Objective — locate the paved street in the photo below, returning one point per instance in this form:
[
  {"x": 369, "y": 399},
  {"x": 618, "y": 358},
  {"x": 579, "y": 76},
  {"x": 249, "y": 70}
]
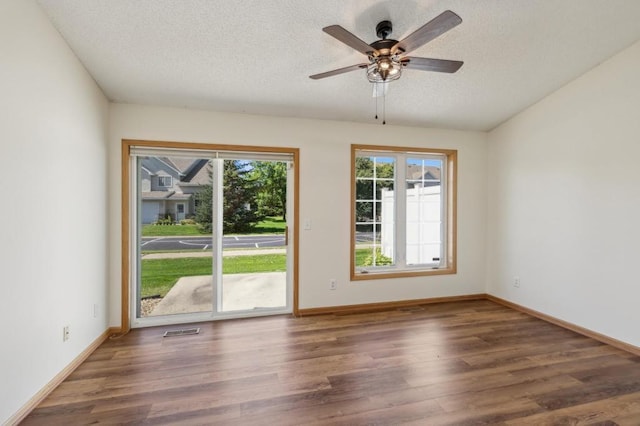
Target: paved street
[
  {"x": 204, "y": 243},
  {"x": 231, "y": 242}
]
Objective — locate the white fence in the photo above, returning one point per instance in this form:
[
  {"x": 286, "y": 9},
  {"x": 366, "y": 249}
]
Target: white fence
[{"x": 423, "y": 222}]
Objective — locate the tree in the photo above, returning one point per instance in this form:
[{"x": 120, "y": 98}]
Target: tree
[
  {"x": 240, "y": 189},
  {"x": 240, "y": 197},
  {"x": 272, "y": 193},
  {"x": 366, "y": 185},
  {"x": 204, "y": 204}
]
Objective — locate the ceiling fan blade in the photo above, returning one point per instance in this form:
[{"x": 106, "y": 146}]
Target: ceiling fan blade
[
  {"x": 348, "y": 38},
  {"x": 338, "y": 71},
  {"x": 428, "y": 64},
  {"x": 429, "y": 31}
]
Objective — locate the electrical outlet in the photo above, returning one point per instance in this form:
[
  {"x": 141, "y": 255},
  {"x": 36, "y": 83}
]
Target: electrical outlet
[
  {"x": 516, "y": 281},
  {"x": 333, "y": 284},
  {"x": 95, "y": 310},
  {"x": 65, "y": 333}
]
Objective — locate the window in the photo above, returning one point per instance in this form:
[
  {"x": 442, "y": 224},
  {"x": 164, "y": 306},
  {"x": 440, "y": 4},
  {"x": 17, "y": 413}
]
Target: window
[
  {"x": 164, "y": 181},
  {"x": 403, "y": 212}
]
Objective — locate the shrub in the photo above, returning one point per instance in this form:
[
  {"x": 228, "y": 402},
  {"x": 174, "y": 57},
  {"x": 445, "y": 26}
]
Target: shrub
[
  {"x": 205, "y": 228},
  {"x": 381, "y": 259},
  {"x": 168, "y": 220},
  {"x": 187, "y": 222}
]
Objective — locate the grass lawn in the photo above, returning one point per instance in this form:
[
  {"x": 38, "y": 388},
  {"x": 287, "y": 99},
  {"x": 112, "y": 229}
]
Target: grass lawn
[
  {"x": 170, "y": 230},
  {"x": 159, "y": 275},
  {"x": 271, "y": 225}
]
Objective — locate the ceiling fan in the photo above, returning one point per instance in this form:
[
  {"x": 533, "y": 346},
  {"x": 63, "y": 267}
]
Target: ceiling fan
[{"x": 386, "y": 56}]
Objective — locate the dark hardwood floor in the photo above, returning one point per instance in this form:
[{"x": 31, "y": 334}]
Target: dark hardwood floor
[{"x": 462, "y": 363}]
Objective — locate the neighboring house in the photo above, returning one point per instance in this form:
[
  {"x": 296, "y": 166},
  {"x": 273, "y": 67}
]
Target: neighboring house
[
  {"x": 169, "y": 185},
  {"x": 420, "y": 176}
]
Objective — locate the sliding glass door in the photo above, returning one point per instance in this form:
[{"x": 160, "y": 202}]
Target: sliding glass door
[{"x": 211, "y": 232}]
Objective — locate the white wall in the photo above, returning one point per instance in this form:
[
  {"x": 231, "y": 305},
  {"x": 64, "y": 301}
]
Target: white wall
[
  {"x": 53, "y": 255},
  {"x": 324, "y": 194},
  {"x": 563, "y": 190},
  {"x": 564, "y": 202}
]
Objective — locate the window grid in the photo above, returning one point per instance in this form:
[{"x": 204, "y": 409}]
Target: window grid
[{"x": 377, "y": 188}]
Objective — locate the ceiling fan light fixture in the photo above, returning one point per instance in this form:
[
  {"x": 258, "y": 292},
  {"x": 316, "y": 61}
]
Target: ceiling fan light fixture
[{"x": 384, "y": 69}]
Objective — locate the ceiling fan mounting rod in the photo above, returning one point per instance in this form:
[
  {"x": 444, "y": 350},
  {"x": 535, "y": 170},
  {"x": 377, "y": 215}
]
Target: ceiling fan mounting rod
[{"x": 384, "y": 29}]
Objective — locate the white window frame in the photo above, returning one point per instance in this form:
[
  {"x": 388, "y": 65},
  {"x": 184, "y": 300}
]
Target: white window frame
[
  {"x": 447, "y": 262},
  {"x": 161, "y": 178}
]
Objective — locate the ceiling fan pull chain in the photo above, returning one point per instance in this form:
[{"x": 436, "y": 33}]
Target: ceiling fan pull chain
[
  {"x": 376, "y": 107},
  {"x": 384, "y": 110}
]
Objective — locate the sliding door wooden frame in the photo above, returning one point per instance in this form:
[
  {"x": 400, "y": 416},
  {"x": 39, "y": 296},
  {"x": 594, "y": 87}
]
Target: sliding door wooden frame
[{"x": 126, "y": 208}]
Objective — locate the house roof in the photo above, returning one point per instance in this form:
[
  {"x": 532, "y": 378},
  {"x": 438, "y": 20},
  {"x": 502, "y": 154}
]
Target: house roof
[
  {"x": 255, "y": 57},
  {"x": 197, "y": 173},
  {"x": 417, "y": 172},
  {"x": 187, "y": 170},
  {"x": 158, "y": 165}
]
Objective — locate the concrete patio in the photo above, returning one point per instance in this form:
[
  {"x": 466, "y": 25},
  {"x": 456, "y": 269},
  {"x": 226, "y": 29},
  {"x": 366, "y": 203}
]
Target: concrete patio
[{"x": 239, "y": 292}]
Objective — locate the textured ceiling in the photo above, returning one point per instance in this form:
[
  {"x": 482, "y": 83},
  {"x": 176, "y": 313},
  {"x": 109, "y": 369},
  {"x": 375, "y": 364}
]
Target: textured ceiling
[{"x": 255, "y": 56}]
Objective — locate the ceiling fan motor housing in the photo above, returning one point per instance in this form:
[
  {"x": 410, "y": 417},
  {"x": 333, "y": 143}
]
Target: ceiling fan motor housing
[
  {"x": 384, "y": 46},
  {"x": 384, "y": 29}
]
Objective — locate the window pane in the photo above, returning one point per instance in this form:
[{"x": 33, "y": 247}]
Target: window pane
[
  {"x": 364, "y": 167},
  {"x": 423, "y": 172},
  {"x": 371, "y": 249},
  {"x": 383, "y": 187},
  {"x": 423, "y": 210},
  {"x": 164, "y": 180},
  {"x": 384, "y": 167},
  {"x": 368, "y": 234},
  {"x": 364, "y": 189},
  {"x": 364, "y": 243},
  {"x": 364, "y": 212}
]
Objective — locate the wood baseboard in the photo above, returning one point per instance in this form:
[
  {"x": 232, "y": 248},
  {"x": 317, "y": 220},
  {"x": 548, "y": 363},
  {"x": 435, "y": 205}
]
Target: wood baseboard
[
  {"x": 23, "y": 412},
  {"x": 384, "y": 306},
  {"x": 117, "y": 332},
  {"x": 569, "y": 326}
]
